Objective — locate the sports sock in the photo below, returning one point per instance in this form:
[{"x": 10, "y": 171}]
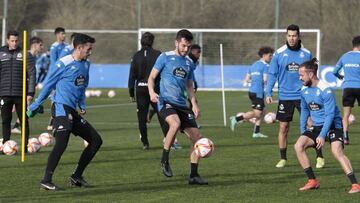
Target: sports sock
[
  {"x": 346, "y": 135},
  {"x": 319, "y": 153},
  {"x": 283, "y": 153},
  {"x": 194, "y": 169},
  {"x": 310, "y": 173},
  {"x": 257, "y": 129},
  {"x": 239, "y": 118},
  {"x": 352, "y": 178},
  {"x": 165, "y": 156}
]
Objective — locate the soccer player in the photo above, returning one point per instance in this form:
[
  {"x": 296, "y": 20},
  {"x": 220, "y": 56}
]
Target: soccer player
[
  {"x": 257, "y": 75},
  {"x": 42, "y": 65},
  {"x": 350, "y": 62},
  {"x": 318, "y": 102},
  {"x": 176, "y": 71},
  {"x": 141, "y": 65},
  {"x": 284, "y": 68},
  {"x": 70, "y": 75},
  {"x": 69, "y": 48}
]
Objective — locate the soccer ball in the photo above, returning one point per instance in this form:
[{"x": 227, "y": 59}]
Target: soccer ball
[
  {"x": 45, "y": 139},
  {"x": 204, "y": 147},
  {"x": 10, "y": 147},
  {"x": 240, "y": 114},
  {"x": 33, "y": 145},
  {"x": 270, "y": 117},
  {"x": 97, "y": 93},
  {"x": 351, "y": 119},
  {"x": 111, "y": 93},
  {"x": 87, "y": 93}
]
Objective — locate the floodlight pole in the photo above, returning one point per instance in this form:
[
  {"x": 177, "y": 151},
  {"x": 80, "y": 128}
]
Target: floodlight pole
[{"x": 3, "y": 34}]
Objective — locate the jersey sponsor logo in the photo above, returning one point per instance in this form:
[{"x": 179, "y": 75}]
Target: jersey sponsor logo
[
  {"x": 352, "y": 65},
  {"x": 180, "y": 72},
  {"x": 80, "y": 80},
  {"x": 314, "y": 106},
  {"x": 255, "y": 73},
  {"x": 293, "y": 67}
]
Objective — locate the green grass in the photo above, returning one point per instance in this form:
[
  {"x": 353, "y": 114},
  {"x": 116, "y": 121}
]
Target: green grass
[{"x": 242, "y": 169}]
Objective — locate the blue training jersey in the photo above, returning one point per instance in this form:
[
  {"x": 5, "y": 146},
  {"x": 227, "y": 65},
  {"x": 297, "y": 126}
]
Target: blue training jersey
[
  {"x": 350, "y": 62},
  {"x": 43, "y": 62},
  {"x": 174, "y": 72},
  {"x": 319, "y": 103},
  {"x": 284, "y": 68},
  {"x": 66, "y": 51},
  {"x": 55, "y": 51},
  {"x": 257, "y": 72},
  {"x": 70, "y": 77}
]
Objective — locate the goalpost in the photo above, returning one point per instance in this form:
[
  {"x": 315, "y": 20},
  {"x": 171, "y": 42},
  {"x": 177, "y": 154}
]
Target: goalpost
[{"x": 234, "y": 49}]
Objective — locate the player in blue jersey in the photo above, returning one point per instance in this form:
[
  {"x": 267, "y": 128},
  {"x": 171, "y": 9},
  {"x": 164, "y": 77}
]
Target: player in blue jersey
[
  {"x": 257, "y": 76},
  {"x": 350, "y": 63},
  {"x": 318, "y": 102},
  {"x": 57, "y": 46},
  {"x": 42, "y": 65},
  {"x": 70, "y": 76},
  {"x": 69, "y": 48},
  {"x": 284, "y": 69},
  {"x": 176, "y": 71}
]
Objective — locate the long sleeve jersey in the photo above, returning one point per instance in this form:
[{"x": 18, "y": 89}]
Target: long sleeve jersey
[{"x": 350, "y": 62}]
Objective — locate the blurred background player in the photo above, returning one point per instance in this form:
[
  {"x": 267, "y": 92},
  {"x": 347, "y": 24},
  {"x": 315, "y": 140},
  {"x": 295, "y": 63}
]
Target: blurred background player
[
  {"x": 350, "y": 62},
  {"x": 318, "y": 102},
  {"x": 140, "y": 68},
  {"x": 257, "y": 76},
  {"x": 176, "y": 72},
  {"x": 284, "y": 68},
  {"x": 69, "y": 48},
  {"x": 11, "y": 77},
  {"x": 42, "y": 66},
  {"x": 72, "y": 73},
  {"x": 36, "y": 46}
]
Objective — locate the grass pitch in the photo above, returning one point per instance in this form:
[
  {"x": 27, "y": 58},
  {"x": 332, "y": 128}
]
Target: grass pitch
[{"x": 242, "y": 169}]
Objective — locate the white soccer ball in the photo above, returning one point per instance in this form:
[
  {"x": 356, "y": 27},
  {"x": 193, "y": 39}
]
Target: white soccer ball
[
  {"x": 92, "y": 93},
  {"x": 204, "y": 147},
  {"x": 45, "y": 139},
  {"x": 351, "y": 119},
  {"x": 97, "y": 93},
  {"x": 240, "y": 114},
  {"x": 111, "y": 93},
  {"x": 33, "y": 145},
  {"x": 270, "y": 117},
  {"x": 87, "y": 93},
  {"x": 10, "y": 147}
]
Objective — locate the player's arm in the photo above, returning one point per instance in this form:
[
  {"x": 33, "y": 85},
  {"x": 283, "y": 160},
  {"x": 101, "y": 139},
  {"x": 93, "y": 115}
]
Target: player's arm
[
  {"x": 195, "y": 107},
  {"x": 31, "y": 76},
  {"x": 82, "y": 105},
  {"x": 132, "y": 79},
  {"x": 329, "y": 105},
  {"x": 271, "y": 77},
  {"x": 337, "y": 68},
  {"x": 53, "y": 55},
  {"x": 248, "y": 78},
  {"x": 305, "y": 113},
  {"x": 154, "y": 97}
]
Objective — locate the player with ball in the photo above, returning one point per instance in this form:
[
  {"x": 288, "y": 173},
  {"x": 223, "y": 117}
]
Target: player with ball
[{"x": 176, "y": 71}]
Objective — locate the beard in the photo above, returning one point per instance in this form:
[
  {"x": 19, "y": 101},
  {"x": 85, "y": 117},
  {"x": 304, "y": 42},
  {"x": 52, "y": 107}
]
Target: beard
[{"x": 308, "y": 83}]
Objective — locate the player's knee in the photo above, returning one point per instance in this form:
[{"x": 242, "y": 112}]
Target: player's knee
[
  {"x": 96, "y": 142},
  {"x": 299, "y": 147},
  {"x": 174, "y": 126}
]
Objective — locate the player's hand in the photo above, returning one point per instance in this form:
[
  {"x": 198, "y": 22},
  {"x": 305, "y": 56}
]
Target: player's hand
[
  {"x": 269, "y": 100},
  {"x": 340, "y": 77},
  {"x": 154, "y": 97},
  {"x": 132, "y": 99},
  {"x": 319, "y": 142},
  {"x": 28, "y": 100},
  {"x": 196, "y": 111},
  {"x": 82, "y": 112}
]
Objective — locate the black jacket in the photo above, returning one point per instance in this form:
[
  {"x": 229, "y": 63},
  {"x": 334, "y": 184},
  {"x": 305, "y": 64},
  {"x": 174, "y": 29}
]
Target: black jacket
[
  {"x": 11, "y": 72},
  {"x": 141, "y": 66}
]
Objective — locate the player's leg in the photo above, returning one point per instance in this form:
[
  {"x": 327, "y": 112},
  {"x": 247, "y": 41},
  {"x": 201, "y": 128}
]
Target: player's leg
[
  {"x": 86, "y": 131},
  {"x": 142, "y": 102},
  {"x": 18, "y": 107},
  {"x": 338, "y": 152},
  {"x": 6, "y": 105},
  {"x": 305, "y": 141},
  {"x": 62, "y": 128},
  {"x": 258, "y": 109},
  {"x": 234, "y": 120},
  {"x": 348, "y": 101},
  {"x": 173, "y": 121}
]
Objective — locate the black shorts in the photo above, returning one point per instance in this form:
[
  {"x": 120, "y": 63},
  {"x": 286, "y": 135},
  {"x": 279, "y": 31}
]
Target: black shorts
[
  {"x": 256, "y": 102},
  {"x": 349, "y": 96},
  {"x": 332, "y": 136},
  {"x": 286, "y": 108},
  {"x": 186, "y": 116}
]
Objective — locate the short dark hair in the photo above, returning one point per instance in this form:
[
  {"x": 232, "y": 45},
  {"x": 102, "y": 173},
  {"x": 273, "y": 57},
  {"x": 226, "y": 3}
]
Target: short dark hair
[
  {"x": 195, "y": 46},
  {"x": 293, "y": 27},
  {"x": 81, "y": 38},
  {"x": 147, "y": 39},
  {"x": 35, "y": 40},
  {"x": 311, "y": 65},
  {"x": 186, "y": 34},
  {"x": 356, "y": 41},
  {"x": 12, "y": 33},
  {"x": 265, "y": 50},
  {"x": 58, "y": 30},
  {"x": 73, "y": 35}
]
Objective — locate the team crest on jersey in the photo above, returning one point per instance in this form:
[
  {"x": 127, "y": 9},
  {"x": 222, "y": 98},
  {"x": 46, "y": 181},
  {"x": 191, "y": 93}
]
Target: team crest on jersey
[
  {"x": 314, "y": 106},
  {"x": 180, "y": 72},
  {"x": 80, "y": 80},
  {"x": 302, "y": 55},
  {"x": 19, "y": 55},
  {"x": 293, "y": 67}
]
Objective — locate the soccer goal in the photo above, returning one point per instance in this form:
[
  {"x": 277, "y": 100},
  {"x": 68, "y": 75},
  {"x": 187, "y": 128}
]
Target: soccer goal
[{"x": 227, "y": 54}]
